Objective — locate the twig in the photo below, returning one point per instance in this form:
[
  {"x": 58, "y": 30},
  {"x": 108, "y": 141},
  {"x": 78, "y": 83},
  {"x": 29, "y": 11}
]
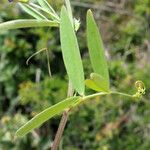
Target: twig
[{"x": 63, "y": 122}]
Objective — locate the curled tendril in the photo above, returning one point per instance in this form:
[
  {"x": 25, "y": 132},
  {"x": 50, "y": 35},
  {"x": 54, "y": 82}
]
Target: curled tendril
[{"x": 139, "y": 85}]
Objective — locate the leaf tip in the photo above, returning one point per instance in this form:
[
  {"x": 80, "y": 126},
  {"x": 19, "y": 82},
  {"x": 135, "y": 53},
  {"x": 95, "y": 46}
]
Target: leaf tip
[
  {"x": 20, "y": 132},
  {"x": 89, "y": 12},
  {"x": 63, "y": 8},
  {"x": 17, "y": 134}
]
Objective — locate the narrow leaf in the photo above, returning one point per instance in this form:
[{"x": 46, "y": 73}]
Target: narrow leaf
[
  {"x": 51, "y": 14},
  {"x": 68, "y": 5},
  {"x": 46, "y": 115},
  {"x": 23, "y": 1},
  {"x": 31, "y": 11},
  {"x": 46, "y": 6},
  {"x": 27, "y": 23},
  {"x": 96, "y": 49},
  {"x": 97, "y": 83},
  {"x": 71, "y": 53}
]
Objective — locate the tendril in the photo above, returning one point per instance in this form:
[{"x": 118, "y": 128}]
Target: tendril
[{"x": 139, "y": 85}]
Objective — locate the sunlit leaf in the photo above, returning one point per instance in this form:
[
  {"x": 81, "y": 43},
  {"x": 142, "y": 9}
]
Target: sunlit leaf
[
  {"x": 46, "y": 5},
  {"x": 97, "y": 83},
  {"x": 31, "y": 11},
  {"x": 91, "y": 84},
  {"x": 26, "y": 23},
  {"x": 46, "y": 115},
  {"x": 96, "y": 49},
  {"x": 51, "y": 14},
  {"x": 71, "y": 53},
  {"x": 68, "y": 5}
]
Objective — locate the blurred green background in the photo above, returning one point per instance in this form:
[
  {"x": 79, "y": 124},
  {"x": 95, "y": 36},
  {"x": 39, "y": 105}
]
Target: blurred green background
[{"x": 106, "y": 123}]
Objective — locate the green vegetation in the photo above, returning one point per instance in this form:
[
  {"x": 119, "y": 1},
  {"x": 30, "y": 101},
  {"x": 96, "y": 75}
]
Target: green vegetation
[{"x": 104, "y": 122}]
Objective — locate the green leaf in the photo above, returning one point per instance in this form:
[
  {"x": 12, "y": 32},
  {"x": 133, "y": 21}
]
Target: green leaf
[
  {"x": 46, "y": 6},
  {"x": 51, "y": 14},
  {"x": 26, "y": 23},
  {"x": 23, "y": 1},
  {"x": 71, "y": 53},
  {"x": 33, "y": 12},
  {"x": 96, "y": 49},
  {"x": 47, "y": 114},
  {"x": 68, "y": 5},
  {"x": 91, "y": 84},
  {"x": 97, "y": 83}
]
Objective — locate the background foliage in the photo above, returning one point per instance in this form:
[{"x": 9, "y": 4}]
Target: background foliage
[{"x": 106, "y": 123}]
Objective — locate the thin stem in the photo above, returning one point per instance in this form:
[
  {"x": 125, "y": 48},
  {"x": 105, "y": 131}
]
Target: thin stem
[
  {"x": 63, "y": 121},
  {"x": 48, "y": 63},
  {"x": 123, "y": 94},
  {"x": 66, "y": 113},
  {"x": 34, "y": 54},
  {"x": 60, "y": 130},
  {"x": 94, "y": 95},
  {"x": 105, "y": 93}
]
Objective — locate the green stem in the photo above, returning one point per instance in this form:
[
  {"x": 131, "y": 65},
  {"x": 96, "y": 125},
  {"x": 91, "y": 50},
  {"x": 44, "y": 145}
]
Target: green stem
[
  {"x": 123, "y": 94},
  {"x": 105, "y": 93},
  {"x": 94, "y": 95}
]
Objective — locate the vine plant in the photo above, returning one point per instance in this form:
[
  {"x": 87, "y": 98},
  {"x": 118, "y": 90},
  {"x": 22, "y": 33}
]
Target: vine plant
[{"x": 45, "y": 16}]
